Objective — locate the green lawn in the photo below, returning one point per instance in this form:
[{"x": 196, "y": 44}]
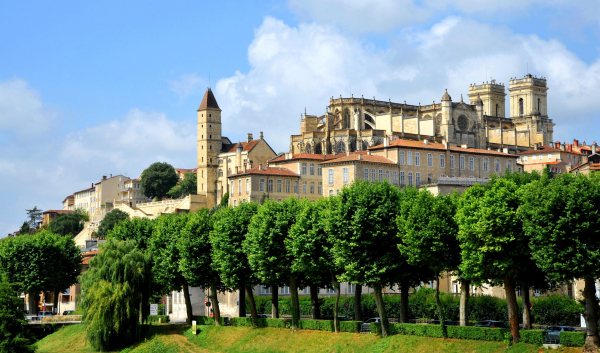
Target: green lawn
[{"x": 178, "y": 339}]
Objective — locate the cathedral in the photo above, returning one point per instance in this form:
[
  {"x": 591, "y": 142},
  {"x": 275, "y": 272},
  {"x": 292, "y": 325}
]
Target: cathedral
[{"x": 354, "y": 124}]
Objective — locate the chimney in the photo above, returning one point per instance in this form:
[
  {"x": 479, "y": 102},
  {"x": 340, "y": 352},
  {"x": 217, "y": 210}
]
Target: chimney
[
  {"x": 239, "y": 148},
  {"x": 505, "y": 150},
  {"x": 245, "y": 167},
  {"x": 360, "y": 157},
  {"x": 425, "y": 141},
  {"x": 562, "y": 147},
  {"x": 368, "y": 152},
  {"x": 261, "y": 135},
  {"x": 386, "y": 141},
  {"x": 111, "y": 175},
  {"x": 464, "y": 145},
  {"x": 249, "y": 137},
  {"x": 104, "y": 177},
  {"x": 347, "y": 153},
  {"x": 445, "y": 143},
  {"x": 575, "y": 143},
  {"x": 260, "y": 166},
  {"x": 557, "y": 145},
  {"x": 594, "y": 147},
  {"x": 237, "y": 170}
]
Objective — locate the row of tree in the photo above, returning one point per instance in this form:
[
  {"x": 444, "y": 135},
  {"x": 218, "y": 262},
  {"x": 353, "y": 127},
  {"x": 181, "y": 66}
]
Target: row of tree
[{"x": 521, "y": 230}]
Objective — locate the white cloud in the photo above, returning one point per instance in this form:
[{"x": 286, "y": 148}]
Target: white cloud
[
  {"x": 21, "y": 109},
  {"x": 297, "y": 67},
  {"x": 186, "y": 85},
  {"x": 384, "y": 15}
]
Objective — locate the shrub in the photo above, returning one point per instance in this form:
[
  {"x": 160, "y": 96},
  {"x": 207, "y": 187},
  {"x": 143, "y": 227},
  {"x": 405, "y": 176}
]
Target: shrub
[
  {"x": 461, "y": 332},
  {"x": 241, "y": 321},
  {"x": 277, "y": 323},
  {"x": 537, "y": 337},
  {"x": 572, "y": 339},
  {"x": 556, "y": 310},
  {"x": 154, "y": 318},
  {"x": 207, "y": 320},
  {"x": 350, "y": 326}
]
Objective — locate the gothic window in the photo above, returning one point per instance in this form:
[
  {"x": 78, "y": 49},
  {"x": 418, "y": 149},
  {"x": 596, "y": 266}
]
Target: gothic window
[
  {"x": 308, "y": 148},
  {"x": 539, "y": 106},
  {"x": 346, "y": 123},
  {"x": 352, "y": 146},
  {"x": 497, "y": 110},
  {"x": 318, "y": 149},
  {"x": 340, "y": 147},
  {"x": 365, "y": 145},
  {"x": 520, "y": 106},
  {"x": 463, "y": 123}
]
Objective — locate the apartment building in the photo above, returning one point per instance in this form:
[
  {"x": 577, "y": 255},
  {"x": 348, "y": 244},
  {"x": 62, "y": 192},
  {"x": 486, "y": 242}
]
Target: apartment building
[
  {"x": 253, "y": 184},
  {"x": 560, "y": 159}
]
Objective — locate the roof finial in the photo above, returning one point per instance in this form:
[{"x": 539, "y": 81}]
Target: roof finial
[{"x": 461, "y": 100}]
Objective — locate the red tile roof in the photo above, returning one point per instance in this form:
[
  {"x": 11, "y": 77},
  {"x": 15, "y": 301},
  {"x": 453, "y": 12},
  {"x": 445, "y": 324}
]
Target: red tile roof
[
  {"x": 437, "y": 146},
  {"x": 595, "y": 166},
  {"x": 267, "y": 171},
  {"x": 209, "y": 101},
  {"x": 181, "y": 170},
  {"x": 554, "y": 162},
  {"x": 68, "y": 197},
  {"x": 58, "y": 211},
  {"x": 543, "y": 149},
  {"x": 246, "y": 146},
  {"x": 88, "y": 189},
  {"x": 297, "y": 156},
  {"x": 360, "y": 158}
]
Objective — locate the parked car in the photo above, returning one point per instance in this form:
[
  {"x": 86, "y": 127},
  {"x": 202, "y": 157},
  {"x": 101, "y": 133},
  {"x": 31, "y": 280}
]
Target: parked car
[
  {"x": 43, "y": 314},
  {"x": 68, "y": 312},
  {"x": 437, "y": 322},
  {"x": 366, "y": 326},
  {"x": 553, "y": 332},
  {"x": 491, "y": 323}
]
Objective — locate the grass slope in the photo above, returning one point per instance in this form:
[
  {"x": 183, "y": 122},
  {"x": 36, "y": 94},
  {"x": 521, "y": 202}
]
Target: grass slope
[{"x": 178, "y": 339}]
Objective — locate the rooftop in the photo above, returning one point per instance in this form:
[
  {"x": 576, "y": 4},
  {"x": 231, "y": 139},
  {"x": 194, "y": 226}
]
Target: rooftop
[
  {"x": 437, "y": 146},
  {"x": 209, "y": 101},
  {"x": 267, "y": 171},
  {"x": 246, "y": 146},
  {"x": 351, "y": 157},
  {"x": 57, "y": 211},
  {"x": 310, "y": 156}
]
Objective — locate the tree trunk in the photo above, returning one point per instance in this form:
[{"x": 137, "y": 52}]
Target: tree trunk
[
  {"x": 404, "y": 302},
  {"x": 55, "y": 301},
  {"x": 511, "y": 301},
  {"x": 215, "y": 304},
  {"x": 188, "y": 303},
  {"x": 274, "y": 302},
  {"x": 295, "y": 303},
  {"x": 464, "y": 302},
  {"x": 439, "y": 306},
  {"x": 336, "y": 285},
  {"x": 526, "y": 310},
  {"x": 252, "y": 305},
  {"x": 242, "y": 300},
  {"x": 591, "y": 315},
  {"x": 314, "y": 302},
  {"x": 357, "y": 302},
  {"x": 381, "y": 309}
]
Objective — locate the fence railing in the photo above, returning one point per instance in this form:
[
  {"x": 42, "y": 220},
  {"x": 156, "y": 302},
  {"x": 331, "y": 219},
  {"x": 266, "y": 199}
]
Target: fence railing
[{"x": 58, "y": 319}]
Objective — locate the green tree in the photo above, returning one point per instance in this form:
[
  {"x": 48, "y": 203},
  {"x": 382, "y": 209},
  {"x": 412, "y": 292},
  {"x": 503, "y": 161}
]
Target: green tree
[
  {"x": 187, "y": 186},
  {"x": 428, "y": 237},
  {"x": 69, "y": 223},
  {"x": 230, "y": 228},
  {"x": 310, "y": 250},
  {"x": 562, "y": 218},
  {"x": 35, "y": 216},
  {"x": 265, "y": 246},
  {"x": 158, "y": 179},
  {"x": 25, "y": 229},
  {"x": 166, "y": 256},
  {"x": 14, "y": 330},
  {"x": 494, "y": 246},
  {"x": 115, "y": 292},
  {"x": 65, "y": 263},
  {"x": 196, "y": 262},
  {"x": 110, "y": 220},
  {"x": 138, "y": 229},
  {"x": 363, "y": 231}
]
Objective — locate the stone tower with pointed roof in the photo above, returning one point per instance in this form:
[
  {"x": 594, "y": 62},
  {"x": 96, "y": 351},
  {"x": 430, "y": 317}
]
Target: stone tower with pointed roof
[{"x": 209, "y": 146}]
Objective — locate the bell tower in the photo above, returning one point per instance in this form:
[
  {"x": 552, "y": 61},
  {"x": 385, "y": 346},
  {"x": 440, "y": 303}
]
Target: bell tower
[{"x": 209, "y": 147}]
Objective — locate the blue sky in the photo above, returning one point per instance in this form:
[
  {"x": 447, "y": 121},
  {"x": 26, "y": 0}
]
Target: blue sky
[{"x": 88, "y": 89}]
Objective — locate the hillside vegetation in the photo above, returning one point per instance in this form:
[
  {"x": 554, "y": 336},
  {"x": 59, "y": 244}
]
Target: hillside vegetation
[{"x": 178, "y": 339}]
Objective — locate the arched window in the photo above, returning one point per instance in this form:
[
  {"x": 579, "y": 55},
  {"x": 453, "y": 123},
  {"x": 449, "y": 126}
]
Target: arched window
[
  {"x": 308, "y": 148},
  {"x": 318, "y": 149},
  {"x": 340, "y": 147},
  {"x": 520, "y": 106},
  {"x": 346, "y": 123},
  {"x": 497, "y": 110}
]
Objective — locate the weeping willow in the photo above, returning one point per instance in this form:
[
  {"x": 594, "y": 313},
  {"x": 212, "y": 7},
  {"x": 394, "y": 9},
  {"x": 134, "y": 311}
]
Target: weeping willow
[{"x": 115, "y": 292}]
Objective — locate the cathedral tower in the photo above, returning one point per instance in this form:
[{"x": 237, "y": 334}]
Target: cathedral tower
[
  {"x": 492, "y": 94},
  {"x": 209, "y": 146},
  {"x": 528, "y": 96}
]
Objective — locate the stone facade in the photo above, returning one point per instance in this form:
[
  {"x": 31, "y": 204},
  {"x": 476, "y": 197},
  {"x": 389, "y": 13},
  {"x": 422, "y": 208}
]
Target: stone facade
[{"x": 354, "y": 124}]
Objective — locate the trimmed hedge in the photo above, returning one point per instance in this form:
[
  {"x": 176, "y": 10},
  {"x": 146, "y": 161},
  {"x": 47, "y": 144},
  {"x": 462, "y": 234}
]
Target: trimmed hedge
[
  {"x": 572, "y": 339},
  {"x": 461, "y": 332},
  {"x": 241, "y": 321},
  {"x": 207, "y": 320},
  {"x": 350, "y": 326},
  {"x": 320, "y": 325},
  {"x": 537, "y": 337},
  {"x": 277, "y": 323},
  {"x": 154, "y": 318}
]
